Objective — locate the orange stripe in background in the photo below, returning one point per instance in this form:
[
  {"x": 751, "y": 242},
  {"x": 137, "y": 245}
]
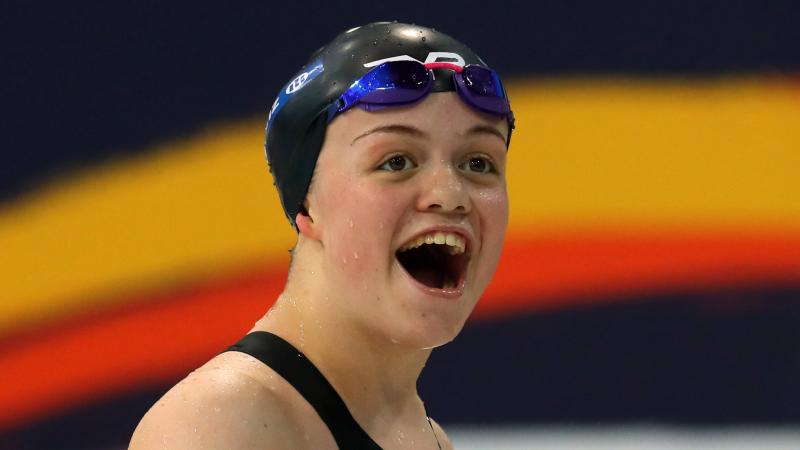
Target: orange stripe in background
[
  {"x": 143, "y": 344},
  {"x": 154, "y": 341},
  {"x": 557, "y": 270}
]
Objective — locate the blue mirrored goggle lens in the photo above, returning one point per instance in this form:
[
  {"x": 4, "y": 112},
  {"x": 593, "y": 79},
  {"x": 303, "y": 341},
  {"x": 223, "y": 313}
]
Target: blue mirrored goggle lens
[
  {"x": 402, "y": 82},
  {"x": 397, "y": 82},
  {"x": 390, "y": 83},
  {"x": 481, "y": 87}
]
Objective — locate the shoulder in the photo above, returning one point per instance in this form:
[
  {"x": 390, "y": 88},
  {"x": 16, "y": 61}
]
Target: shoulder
[
  {"x": 221, "y": 405},
  {"x": 444, "y": 440}
]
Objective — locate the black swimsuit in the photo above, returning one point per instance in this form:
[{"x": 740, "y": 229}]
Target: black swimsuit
[{"x": 295, "y": 368}]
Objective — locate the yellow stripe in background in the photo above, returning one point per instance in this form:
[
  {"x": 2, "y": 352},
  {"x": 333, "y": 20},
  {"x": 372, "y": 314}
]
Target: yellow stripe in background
[
  {"x": 587, "y": 152},
  {"x": 711, "y": 152},
  {"x": 191, "y": 208}
]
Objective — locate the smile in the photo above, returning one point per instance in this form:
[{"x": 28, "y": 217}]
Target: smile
[{"x": 437, "y": 260}]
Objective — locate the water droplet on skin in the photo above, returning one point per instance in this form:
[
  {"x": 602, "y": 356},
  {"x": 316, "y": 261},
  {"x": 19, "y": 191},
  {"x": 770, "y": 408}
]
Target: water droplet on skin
[
  {"x": 355, "y": 255},
  {"x": 350, "y": 223},
  {"x": 217, "y": 409},
  {"x": 344, "y": 260},
  {"x": 302, "y": 336}
]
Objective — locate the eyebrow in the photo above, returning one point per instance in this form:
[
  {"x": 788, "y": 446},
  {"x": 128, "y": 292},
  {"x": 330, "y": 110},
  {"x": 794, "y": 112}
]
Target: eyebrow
[
  {"x": 416, "y": 132},
  {"x": 486, "y": 129},
  {"x": 394, "y": 128}
]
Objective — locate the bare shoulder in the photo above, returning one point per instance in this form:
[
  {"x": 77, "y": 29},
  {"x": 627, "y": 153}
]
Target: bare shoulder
[
  {"x": 224, "y": 404},
  {"x": 444, "y": 440}
]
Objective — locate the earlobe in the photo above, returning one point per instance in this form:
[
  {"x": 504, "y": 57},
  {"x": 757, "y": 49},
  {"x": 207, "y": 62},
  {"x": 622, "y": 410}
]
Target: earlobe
[{"x": 305, "y": 225}]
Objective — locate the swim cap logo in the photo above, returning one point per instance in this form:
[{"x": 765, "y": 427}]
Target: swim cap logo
[
  {"x": 295, "y": 85},
  {"x": 453, "y": 58},
  {"x": 303, "y": 79}
]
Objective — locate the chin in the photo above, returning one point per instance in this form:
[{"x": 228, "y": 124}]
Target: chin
[{"x": 426, "y": 328}]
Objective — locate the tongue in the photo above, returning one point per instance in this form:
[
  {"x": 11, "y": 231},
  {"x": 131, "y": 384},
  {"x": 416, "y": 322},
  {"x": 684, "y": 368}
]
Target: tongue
[{"x": 428, "y": 276}]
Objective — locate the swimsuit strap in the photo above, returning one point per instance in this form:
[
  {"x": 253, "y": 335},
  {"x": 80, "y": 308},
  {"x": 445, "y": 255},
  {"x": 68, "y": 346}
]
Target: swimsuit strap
[{"x": 301, "y": 373}]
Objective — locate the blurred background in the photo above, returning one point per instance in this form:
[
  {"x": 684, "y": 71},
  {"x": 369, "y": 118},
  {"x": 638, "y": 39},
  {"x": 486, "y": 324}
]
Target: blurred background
[{"x": 649, "y": 291}]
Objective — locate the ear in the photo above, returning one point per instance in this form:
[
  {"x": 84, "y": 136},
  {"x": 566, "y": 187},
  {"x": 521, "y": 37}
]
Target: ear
[{"x": 305, "y": 225}]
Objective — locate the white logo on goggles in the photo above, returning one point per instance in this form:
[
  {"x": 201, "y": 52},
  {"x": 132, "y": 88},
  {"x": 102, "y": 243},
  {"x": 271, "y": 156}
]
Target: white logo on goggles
[{"x": 453, "y": 58}]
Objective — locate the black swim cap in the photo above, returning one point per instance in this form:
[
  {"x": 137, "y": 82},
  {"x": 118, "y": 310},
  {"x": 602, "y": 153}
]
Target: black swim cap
[{"x": 298, "y": 117}]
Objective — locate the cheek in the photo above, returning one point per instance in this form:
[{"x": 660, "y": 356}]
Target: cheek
[
  {"x": 363, "y": 219},
  {"x": 492, "y": 205}
]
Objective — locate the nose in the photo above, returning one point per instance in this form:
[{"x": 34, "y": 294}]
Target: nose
[{"x": 443, "y": 191}]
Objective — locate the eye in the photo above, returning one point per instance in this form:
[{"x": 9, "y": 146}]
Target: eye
[
  {"x": 478, "y": 164},
  {"x": 397, "y": 163}
]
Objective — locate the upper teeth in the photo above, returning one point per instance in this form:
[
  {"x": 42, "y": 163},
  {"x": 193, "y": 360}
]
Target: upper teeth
[{"x": 456, "y": 243}]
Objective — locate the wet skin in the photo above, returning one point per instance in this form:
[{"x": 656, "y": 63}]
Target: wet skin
[{"x": 382, "y": 178}]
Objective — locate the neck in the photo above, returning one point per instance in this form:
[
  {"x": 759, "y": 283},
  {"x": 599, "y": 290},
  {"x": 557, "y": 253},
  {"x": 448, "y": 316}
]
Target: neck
[{"x": 375, "y": 376}]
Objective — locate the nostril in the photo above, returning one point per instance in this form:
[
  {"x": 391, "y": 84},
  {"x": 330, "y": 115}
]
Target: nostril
[{"x": 439, "y": 206}]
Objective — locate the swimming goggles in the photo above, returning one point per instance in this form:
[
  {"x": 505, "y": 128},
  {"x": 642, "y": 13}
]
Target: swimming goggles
[{"x": 396, "y": 83}]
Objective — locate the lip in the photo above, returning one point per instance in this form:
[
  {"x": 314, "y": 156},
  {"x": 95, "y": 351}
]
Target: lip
[{"x": 448, "y": 293}]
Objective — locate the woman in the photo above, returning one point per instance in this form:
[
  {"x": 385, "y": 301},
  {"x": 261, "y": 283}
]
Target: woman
[{"x": 405, "y": 132}]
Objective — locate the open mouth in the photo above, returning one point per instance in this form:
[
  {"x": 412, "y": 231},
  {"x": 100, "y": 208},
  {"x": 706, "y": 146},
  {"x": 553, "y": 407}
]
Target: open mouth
[{"x": 437, "y": 260}]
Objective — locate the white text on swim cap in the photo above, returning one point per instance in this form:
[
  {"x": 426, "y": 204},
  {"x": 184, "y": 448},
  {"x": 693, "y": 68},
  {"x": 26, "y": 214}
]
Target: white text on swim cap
[{"x": 453, "y": 58}]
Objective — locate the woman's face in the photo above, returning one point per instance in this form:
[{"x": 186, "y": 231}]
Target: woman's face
[{"x": 389, "y": 187}]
